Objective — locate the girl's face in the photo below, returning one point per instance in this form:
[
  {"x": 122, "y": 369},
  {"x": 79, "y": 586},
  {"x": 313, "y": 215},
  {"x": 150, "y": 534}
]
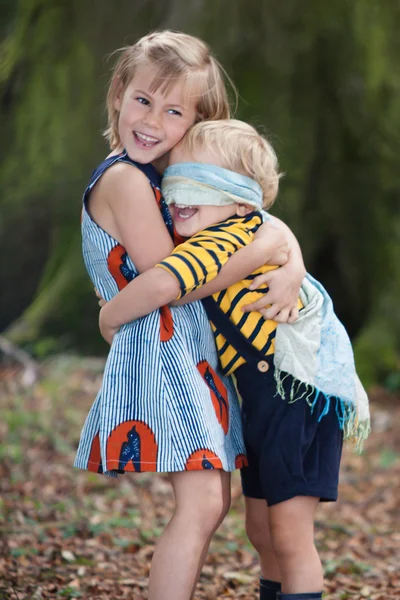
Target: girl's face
[{"x": 152, "y": 122}]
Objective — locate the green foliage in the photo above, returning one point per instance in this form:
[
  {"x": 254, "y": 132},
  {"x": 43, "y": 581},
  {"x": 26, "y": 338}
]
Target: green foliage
[{"x": 321, "y": 79}]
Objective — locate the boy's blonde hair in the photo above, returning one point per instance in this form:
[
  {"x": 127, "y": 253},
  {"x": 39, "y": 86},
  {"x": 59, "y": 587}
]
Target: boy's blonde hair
[
  {"x": 177, "y": 56},
  {"x": 240, "y": 148}
]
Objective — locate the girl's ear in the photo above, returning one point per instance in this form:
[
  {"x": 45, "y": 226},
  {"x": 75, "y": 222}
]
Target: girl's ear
[
  {"x": 118, "y": 93},
  {"x": 243, "y": 209}
]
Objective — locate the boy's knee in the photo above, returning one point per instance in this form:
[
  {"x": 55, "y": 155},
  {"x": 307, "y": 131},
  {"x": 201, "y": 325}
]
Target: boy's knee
[
  {"x": 292, "y": 525},
  {"x": 285, "y": 541},
  {"x": 257, "y": 530}
]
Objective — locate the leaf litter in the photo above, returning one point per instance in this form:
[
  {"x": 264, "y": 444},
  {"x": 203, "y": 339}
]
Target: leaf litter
[{"x": 69, "y": 534}]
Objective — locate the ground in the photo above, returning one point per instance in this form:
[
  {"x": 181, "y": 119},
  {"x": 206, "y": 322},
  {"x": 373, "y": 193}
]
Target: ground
[{"x": 68, "y": 534}]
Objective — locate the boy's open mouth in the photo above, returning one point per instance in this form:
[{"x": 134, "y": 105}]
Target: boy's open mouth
[
  {"x": 183, "y": 212},
  {"x": 146, "y": 141}
]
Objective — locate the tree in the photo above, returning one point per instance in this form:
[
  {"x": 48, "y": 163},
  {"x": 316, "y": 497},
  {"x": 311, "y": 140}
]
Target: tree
[{"x": 322, "y": 79}]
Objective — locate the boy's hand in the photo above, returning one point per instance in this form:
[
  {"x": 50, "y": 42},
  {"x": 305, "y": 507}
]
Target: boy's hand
[
  {"x": 102, "y": 302},
  {"x": 107, "y": 331}
]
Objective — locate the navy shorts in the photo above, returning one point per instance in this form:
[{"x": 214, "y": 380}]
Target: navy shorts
[{"x": 291, "y": 451}]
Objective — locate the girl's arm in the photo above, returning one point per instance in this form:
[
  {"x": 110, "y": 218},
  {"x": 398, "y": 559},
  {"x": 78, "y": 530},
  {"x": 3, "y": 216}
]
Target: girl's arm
[
  {"x": 137, "y": 221},
  {"x": 284, "y": 284}
]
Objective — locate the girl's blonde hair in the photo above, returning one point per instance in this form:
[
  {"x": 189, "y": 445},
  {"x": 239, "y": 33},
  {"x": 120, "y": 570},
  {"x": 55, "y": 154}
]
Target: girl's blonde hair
[
  {"x": 178, "y": 57},
  {"x": 240, "y": 148}
]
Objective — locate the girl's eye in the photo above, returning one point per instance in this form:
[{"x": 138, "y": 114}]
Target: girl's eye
[
  {"x": 172, "y": 111},
  {"x": 143, "y": 100}
]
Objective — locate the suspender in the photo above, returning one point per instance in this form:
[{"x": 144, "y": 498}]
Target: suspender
[{"x": 234, "y": 336}]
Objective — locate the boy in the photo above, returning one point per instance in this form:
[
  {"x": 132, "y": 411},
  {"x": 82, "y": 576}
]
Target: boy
[{"x": 300, "y": 392}]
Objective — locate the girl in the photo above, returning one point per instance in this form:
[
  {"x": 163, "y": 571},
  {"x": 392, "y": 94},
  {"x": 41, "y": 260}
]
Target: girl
[
  {"x": 163, "y": 405},
  {"x": 225, "y": 172}
]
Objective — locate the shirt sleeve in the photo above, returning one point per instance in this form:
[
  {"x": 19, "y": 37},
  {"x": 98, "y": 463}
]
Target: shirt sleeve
[{"x": 199, "y": 259}]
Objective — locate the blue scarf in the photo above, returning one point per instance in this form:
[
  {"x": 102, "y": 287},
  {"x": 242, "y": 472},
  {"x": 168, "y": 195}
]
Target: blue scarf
[{"x": 193, "y": 184}]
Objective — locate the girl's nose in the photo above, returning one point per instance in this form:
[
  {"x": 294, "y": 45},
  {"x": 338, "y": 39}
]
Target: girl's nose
[{"x": 152, "y": 119}]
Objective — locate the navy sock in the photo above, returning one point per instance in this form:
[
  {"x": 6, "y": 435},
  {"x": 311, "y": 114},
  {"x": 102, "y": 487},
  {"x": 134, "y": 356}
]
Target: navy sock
[
  {"x": 269, "y": 589},
  {"x": 303, "y": 596}
]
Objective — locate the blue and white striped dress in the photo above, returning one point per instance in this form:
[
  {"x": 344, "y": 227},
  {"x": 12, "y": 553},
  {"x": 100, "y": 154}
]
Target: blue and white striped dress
[{"x": 163, "y": 404}]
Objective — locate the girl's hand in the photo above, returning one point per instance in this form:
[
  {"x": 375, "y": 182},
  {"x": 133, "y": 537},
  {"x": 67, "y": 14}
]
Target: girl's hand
[
  {"x": 106, "y": 329},
  {"x": 276, "y": 238},
  {"x": 280, "y": 302}
]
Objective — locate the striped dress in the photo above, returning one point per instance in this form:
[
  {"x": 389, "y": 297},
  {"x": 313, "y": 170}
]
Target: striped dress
[{"x": 163, "y": 404}]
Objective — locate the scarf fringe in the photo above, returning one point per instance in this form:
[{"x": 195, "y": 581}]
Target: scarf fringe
[{"x": 354, "y": 431}]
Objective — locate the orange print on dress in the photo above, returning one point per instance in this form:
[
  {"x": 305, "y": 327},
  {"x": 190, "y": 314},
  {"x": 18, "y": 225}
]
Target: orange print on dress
[
  {"x": 166, "y": 324},
  {"x": 132, "y": 446},
  {"x": 241, "y": 461},
  {"x": 157, "y": 194},
  {"x": 203, "y": 459},
  {"x": 178, "y": 239},
  {"x": 94, "y": 462},
  {"x": 116, "y": 262},
  {"x": 219, "y": 395}
]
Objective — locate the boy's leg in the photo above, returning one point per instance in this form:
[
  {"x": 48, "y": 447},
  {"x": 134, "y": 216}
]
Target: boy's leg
[
  {"x": 297, "y": 452},
  {"x": 292, "y": 536},
  {"x": 201, "y": 501},
  {"x": 310, "y": 596},
  {"x": 258, "y": 531}
]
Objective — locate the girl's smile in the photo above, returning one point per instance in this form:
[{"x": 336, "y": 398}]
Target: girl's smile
[
  {"x": 152, "y": 121},
  {"x": 145, "y": 141}
]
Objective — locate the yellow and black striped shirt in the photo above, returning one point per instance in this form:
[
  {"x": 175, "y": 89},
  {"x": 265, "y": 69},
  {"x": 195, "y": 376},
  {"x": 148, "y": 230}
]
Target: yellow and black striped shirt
[{"x": 200, "y": 259}]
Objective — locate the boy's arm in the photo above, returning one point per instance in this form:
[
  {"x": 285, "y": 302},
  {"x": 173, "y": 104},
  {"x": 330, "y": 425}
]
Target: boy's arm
[
  {"x": 280, "y": 302},
  {"x": 192, "y": 265},
  {"x": 269, "y": 246},
  {"x": 147, "y": 292}
]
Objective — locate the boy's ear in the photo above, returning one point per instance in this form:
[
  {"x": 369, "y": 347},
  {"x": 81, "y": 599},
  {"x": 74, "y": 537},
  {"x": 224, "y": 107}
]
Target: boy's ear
[
  {"x": 243, "y": 209},
  {"x": 118, "y": 90}
]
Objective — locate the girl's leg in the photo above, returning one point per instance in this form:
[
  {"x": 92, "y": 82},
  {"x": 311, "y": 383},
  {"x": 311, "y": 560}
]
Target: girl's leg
[
  {"x": 292, "y": 535},
  {"x": 202, "y": 500},
  {"x": 226, "y": 503}
]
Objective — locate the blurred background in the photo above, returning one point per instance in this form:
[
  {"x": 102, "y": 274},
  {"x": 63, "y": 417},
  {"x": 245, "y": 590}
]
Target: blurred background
[{"x": 322, "y": 79}]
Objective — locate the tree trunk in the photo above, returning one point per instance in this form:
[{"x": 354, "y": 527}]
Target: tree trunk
[{"x": 321, "y": 79}]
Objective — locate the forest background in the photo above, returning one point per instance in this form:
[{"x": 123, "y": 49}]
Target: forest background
[{"x": 323, "y": 81}]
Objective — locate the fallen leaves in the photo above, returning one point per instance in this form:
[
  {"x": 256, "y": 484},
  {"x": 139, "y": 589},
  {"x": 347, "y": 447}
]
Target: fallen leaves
[{"x": 69, "y": 534}]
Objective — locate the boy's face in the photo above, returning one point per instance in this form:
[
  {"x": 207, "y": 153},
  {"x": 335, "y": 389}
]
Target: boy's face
[
  {"x": 152, "y": 122},
  {"x": 189, "y": 220}
]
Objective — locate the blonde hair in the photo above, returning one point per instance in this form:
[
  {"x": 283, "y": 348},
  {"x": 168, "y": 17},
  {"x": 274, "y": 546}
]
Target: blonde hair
[
  {"x": 239, "y": 148},
  {"x": 177, "y": 56}
]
